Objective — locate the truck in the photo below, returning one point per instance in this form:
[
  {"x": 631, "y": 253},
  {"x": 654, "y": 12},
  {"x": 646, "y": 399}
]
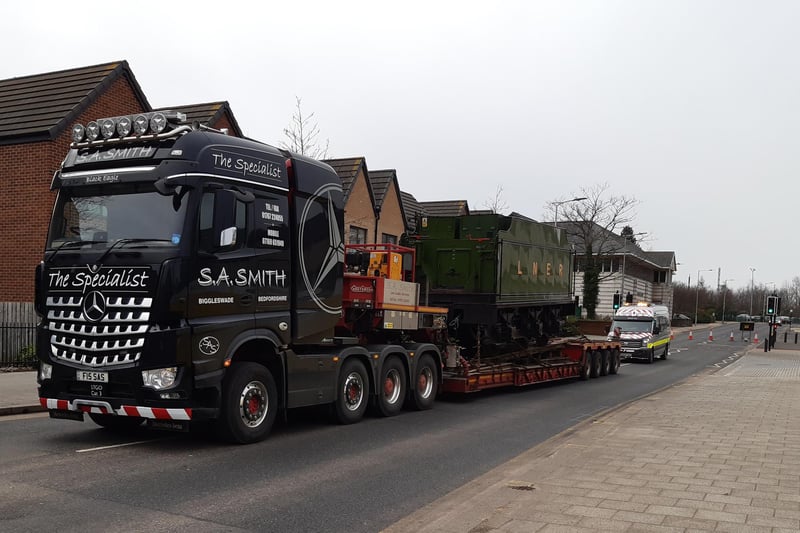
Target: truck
[{"x": 190, "y": 276}]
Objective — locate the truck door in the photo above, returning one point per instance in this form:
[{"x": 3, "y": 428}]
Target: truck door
[{"x": 221, "y": 300}]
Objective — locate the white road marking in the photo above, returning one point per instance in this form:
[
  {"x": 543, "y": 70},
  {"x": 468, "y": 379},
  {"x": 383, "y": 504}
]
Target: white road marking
[{"x": 113, "y": 446}]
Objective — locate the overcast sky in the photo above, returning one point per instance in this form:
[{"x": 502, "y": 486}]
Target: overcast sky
[{"x": 691, "y": 107}]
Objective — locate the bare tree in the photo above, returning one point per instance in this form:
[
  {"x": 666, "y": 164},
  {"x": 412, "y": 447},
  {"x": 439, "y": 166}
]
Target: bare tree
[
  {"x": 497, "y": 204},
  {"x": 594, "y": 223},
  {"x": 302, "y": 135}
]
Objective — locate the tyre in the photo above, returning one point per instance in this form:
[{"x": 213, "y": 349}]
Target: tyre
[
  {"x": 651, "y": 356},
  {"x": 586, "y": 370},
  {"x": 666, "y": 352},
  {"x": 116, "y": 423},
  {"x": 595, "y": 363},
  {"x": 391, "y": 388},
  {"x": 426, "y": 384},
  {"x": 614, "y": 362},
  {"x": 352, "y": 392},
  {"x": 604, "y": 362},
  {"x": 249, "y": 403}
]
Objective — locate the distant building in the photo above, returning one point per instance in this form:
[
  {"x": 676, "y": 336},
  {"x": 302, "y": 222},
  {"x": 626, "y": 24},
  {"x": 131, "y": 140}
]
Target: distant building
[{"x": 624, "y": 268}]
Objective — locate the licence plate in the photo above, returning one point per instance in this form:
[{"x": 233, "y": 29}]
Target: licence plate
[{"x": 90, "y": 375}]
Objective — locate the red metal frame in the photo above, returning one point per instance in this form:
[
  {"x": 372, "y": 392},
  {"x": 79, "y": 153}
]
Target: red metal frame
[{"x": 561, "y": 360}]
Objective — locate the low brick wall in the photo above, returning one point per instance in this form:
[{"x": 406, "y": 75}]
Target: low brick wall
[{"x": 593, "y": 327}]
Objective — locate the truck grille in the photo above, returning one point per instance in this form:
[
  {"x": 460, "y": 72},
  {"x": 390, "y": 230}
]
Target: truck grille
[
  {"x": 116, "y": 339},
  {"x": 632, "y": 344}
]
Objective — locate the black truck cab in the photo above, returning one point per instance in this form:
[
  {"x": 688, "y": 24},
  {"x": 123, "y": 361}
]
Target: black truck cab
[{"x": 173, "y": 252}]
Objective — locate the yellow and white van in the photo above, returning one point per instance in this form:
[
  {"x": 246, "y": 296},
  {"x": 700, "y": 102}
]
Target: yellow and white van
[{"x": 643, "y": 330}]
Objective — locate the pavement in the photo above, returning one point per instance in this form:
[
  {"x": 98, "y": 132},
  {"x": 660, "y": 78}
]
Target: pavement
[
  {"x": 716, "y": 452},
  {"x": 719, "y": 451},
  {"x": 18, "y": 393}
]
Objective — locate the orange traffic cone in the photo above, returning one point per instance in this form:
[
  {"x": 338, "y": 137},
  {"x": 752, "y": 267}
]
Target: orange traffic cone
[
  {"x": 755, "y": 338},
  {"x": 691, "y": 337},
  {"x": 711, "y": 334}
]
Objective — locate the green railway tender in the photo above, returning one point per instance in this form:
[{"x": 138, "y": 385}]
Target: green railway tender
[{"x": 505, "y": 279}]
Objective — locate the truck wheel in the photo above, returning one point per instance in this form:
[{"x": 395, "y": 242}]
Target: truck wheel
[
  {"x": 595, "y": 363},
  {"x": 426, "y": 381},
  {"x": 666, "y": 352},
  {"x": 614, "y": 361},
  {"x": 392, "y": 388},
  {"x": 352, "y": 392},
  {"x": 249, "y": 403},
  {"x": 651, "y": 356},
  {"x": 116, "y": 423},
  {"x": 604, "y": 362}
]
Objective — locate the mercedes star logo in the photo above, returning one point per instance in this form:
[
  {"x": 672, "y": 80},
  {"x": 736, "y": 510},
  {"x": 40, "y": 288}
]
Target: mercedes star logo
[
  {"x": 315, "y": 275},
  {"x": 94, "y": 306}
]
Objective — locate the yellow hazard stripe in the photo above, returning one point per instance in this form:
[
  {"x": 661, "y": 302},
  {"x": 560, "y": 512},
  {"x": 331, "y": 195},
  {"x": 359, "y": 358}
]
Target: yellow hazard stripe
[{"x": 657, "y": 343}]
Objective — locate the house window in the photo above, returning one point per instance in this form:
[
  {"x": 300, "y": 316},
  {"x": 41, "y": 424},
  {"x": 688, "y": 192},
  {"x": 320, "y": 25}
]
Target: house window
[
  {"x": 660, "y": 276},
  {"x": 388, "y": 239},
  {"x": 358, "y": 235}
]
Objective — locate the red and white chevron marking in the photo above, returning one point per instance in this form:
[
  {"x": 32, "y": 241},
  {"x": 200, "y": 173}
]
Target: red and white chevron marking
[
  {"x": 158, "y": 413},
  {"x": 634, "y": 336},
  {"x": 635, "y": 311}
]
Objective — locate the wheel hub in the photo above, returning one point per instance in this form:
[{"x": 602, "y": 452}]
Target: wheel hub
[{"x": 253, "y": 404}]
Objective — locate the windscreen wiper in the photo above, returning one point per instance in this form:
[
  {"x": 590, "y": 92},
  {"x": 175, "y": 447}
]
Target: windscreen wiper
[
  {"x": 125, "y": 241},
  {"x": 70, "y": 244}
]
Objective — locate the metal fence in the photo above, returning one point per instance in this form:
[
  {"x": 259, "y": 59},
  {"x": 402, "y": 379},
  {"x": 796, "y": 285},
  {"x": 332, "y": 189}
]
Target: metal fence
[{"x": 17, "y": 334}]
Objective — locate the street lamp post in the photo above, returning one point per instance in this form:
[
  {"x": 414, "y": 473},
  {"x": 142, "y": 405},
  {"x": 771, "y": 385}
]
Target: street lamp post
[
  {"x": 752, "y": 271},
  {"x": 556, "y": 204},
  {"x": 724, "y": 293},
  {"x": 697, "y": 292}
]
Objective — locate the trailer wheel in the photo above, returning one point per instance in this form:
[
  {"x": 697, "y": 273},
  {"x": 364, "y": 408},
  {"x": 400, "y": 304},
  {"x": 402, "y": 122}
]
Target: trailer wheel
[
  {"x": 249, "y": 403},
  {"x": 604, "y": 362},
  {"x": 586, "y": 369},
  {"x": 614, "y": 362},
  {"x": 392, "y": 388},
  {"x": 116, "y": 423},
  {"x": 595, "y": 363},
  {"x": 426, "y": 384},
  {"x": 666, "y": 352},
  {"x": 352, "y": 392}
]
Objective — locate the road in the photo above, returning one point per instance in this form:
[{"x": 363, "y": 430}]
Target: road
[{"x": 310, "y": 475}]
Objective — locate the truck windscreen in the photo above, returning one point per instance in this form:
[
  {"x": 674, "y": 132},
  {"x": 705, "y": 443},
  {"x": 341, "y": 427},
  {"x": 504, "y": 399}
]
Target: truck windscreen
[{"x": 82, "y": 215}]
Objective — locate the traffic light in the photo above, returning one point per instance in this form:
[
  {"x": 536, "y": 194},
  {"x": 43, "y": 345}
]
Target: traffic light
[
  {"x": 772, "y": 305},
  {"x": 617, "y": 300}
]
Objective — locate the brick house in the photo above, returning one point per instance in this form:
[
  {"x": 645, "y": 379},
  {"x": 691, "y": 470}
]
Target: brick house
[
  {"x": 37, "y": 113},
  {"x": 390, "y": 221},
  {"x": 359, "y": 199}
]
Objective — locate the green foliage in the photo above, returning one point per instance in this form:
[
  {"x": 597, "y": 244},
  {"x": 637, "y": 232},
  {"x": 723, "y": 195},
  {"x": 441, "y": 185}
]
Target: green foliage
[
  {"x": 591, "y": 282},
  {"x": 26, "y": 356}
]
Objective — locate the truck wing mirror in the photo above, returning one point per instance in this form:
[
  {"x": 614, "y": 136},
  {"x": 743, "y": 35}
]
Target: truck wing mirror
[
  {"x": 227, "y": 237},
  {"x": 224, "y": 224}
]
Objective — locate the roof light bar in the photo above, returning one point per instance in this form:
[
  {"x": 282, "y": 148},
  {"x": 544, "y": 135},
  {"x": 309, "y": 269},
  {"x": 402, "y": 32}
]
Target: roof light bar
[
  {"x": 153, "y": 123},
  {"x": 92, "y": 130},
  {"x": 78, "y": 131}
]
